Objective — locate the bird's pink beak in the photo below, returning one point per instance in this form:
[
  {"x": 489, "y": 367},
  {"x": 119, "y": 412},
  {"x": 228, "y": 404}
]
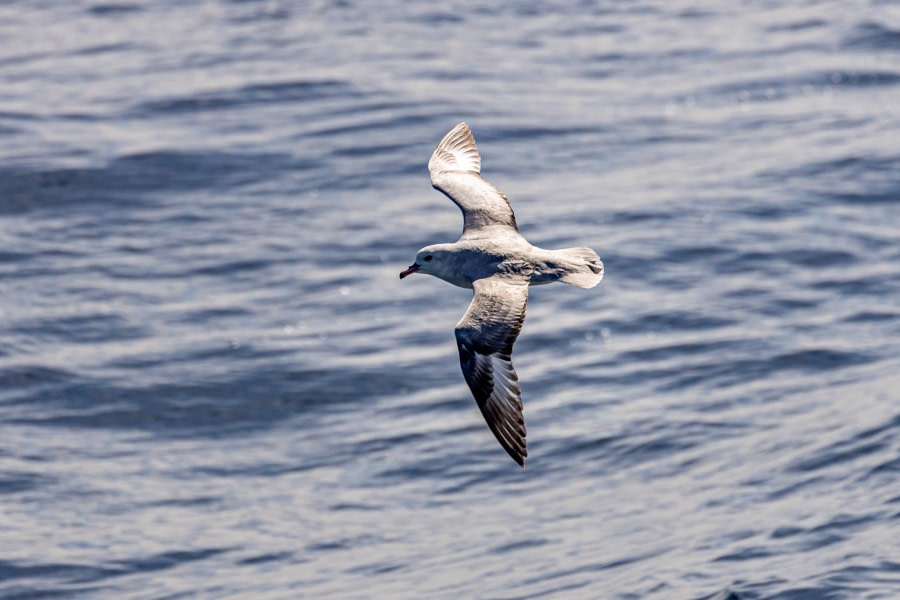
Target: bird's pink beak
[{"x": 412, "y": 269}]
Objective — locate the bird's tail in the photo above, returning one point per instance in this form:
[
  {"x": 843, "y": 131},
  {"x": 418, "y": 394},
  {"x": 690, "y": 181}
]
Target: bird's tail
[{"x": 582, "y": 267}]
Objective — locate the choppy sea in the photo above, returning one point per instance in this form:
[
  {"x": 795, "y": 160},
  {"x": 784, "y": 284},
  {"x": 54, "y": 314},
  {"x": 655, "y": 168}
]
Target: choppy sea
[{"x": 214, "y": 385}]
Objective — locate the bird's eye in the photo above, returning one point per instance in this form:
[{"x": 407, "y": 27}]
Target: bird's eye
[{"x": 428, "y": 258}]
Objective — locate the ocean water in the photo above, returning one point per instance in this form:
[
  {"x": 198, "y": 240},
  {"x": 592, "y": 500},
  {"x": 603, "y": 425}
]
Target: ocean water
[{"x": 214, "y": 385}]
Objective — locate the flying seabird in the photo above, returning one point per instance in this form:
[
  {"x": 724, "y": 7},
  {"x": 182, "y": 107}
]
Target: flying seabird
[{"x": 498, "y": 264}]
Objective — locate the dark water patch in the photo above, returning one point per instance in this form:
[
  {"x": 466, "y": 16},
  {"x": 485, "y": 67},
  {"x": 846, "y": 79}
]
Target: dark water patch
[
  {"x": 77, "y": 117},
  {"x": 355, "y": 506},
  {"x": 870, "y": 35},
  {"x": 678, "y": 350},
  {"x": 424, "y": 470},
  {"x": 844, "y": 167},
  {"x": 265, "y": 558},
  {"x": 727, "y": 595},
  {"x": 838, "y": 529},
  {"x": 793, "y": 487},
  {"x": 441, "y": 406},
  {"x": 519, "y": 545},
  {"x": 831, "y": 457},
  {"x": 268, "y": 470},
  {"x": 186, "y": 502},
  {"x": 844, "y": 522},
  {"x": 863, "y": 79},
  {"x": 609, "y": 57},
  {"x": 748, "y": 553},
  {"x": 598, "y": 566},
  {"x": 113, "y": 9},
  {"x": 142, "y": 272},
  {"x": 890, "y": 426},
  {"x": 762, "y": 262},
  {"x": 597, "y": 73},
  {"x": 261, "y": 13},
  {"x": 124, "y": 181},
  {"x": 438, "y": 18},
  {"x": 872, "y": 286},
  {"x": 646, "y": 443},
  {"x": 629, "y": 217},
  {"x": 23, "y": 377},
  {"x": 253, "y": 95},
  {"x": 663, "y": 445},
  {"x": 386, "y": 443},
  {"x": 809, "y": 257},
  {"x": 105, "y": 48},
  {"x": 293, "y": 91},
  {"x": 26, "y": 191},
  {"x": 557, "y": 591},
  {"x": 889, "y": 468},
  {"x": 867, "y": 316},
  {"x": 380, "y": 124},
  {"x": 82, "y": 329},
  {"x": 779, "y": 307},
  {"x": 72, "y": 573},
  {"x": 374, "y": 569},
  {"x": 726, "y": 373},
  {"x": 457, "y": 469},
  {"x": 696, "y": 14},
  {"x": 186, "y": 170},
  {"x": 881, "y": 577},
  {"x": 22, "y": 592},
  {"x": 377, "y": 105},
  {"x": 591, "y": 29},
  {"x": 776, "y": 89},
  {"x": 680, "y": 139},
  {"x": 209, "y": 315},
  {"x": 671, "y": 321},
  {"x": 241, "y": 402},
  {"x": 693, "y": 253},
  {"x": 797, "y": 25},
  {"x": 19, "y": 60},
  {"x": 78, "y": 573},
  {"x": 889, "y": 196},
  {"x": 578, "y": 446},
  {"x": 772, "y": 212},
  {"x": 345, "y": 543},
  {"x": 522, "y": 132},
  {"x": 786, "y": 532},
  {"x": 818, "y": 359},
  {"x": 364, "y": 150},
  {"x": 642, "y": 377},
  {"x": 811, "y": 593},
  {"x": 232, "y": 268},
  {"x": 167, "y": 560},
  {"x": 14, "y": 482},
  {"x": 467, "y": 479}
]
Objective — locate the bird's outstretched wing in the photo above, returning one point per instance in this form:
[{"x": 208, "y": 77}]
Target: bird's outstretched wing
[
  {"x": 485, "y": 338},
  {"x": 455, "y": 169}
]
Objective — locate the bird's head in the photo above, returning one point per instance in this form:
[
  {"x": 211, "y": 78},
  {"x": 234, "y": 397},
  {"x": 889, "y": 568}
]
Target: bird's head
[{"x": 430, "y": 260}]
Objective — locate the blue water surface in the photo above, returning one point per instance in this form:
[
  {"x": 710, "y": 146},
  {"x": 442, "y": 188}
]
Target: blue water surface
[{"x": 213, "y": 384}]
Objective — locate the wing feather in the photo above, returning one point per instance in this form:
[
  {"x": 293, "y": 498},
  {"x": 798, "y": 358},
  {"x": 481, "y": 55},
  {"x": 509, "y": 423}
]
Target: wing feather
[
  {"x": 455, "y": 169},
  {"x": 485, "y": 337}
]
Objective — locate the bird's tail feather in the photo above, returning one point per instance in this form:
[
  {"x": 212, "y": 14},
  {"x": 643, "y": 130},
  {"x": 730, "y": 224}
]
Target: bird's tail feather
[{"x": 585, "y": 269}]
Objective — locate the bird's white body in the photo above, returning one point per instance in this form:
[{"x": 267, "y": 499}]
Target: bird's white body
[
  {"x": 493, "y": 259},
  {"x": 467, "y": 260}
]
